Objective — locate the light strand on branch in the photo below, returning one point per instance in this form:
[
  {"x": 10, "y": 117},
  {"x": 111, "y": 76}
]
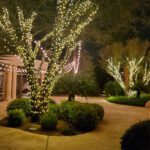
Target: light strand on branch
[{"x": 72, "y": 17}]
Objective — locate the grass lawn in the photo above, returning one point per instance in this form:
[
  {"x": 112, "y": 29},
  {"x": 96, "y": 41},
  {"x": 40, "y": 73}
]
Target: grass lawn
[{"x": 131, "y": 100}]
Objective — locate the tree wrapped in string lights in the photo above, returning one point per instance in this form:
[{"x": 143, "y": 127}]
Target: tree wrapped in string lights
[
  {"x": 72, "y": 17},
  {"x": 134, "y": 68}
]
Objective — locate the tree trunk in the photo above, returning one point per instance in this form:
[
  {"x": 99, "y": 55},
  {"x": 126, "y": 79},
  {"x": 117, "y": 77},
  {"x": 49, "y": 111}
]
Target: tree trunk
[{"x": 138, "y": 94}]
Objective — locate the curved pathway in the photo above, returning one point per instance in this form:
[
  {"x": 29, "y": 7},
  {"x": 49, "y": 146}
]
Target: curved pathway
[{"x": 106, "y": 137}]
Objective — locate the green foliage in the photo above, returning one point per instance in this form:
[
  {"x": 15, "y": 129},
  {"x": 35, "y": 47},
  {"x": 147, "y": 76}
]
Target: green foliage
[
  {"x": 130, "y": 100},
  {"x": 113, "y": 88},
  {"x": 137, "y": 137},
  {"x": 69, "y": 131},
  {"x": 16, "y": 117},
  {"x": 100, "y": 111},
  {"x": 84, "y": 117},
  {"x": 83, "y": 83},
  {"x": 21, "y": 103},
  {"x": 49, "y": 121},
  {"x": 65, "y": 107},
  {"x": 79, "y": 84},
  {"x": 54, "y": 108}
]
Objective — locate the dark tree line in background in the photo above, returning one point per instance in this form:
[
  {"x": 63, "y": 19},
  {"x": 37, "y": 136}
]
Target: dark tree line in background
[{"x": 116, "y": 21}]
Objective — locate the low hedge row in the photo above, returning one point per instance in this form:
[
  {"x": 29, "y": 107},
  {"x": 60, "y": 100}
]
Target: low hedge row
[{"x": 131, "y": 100}]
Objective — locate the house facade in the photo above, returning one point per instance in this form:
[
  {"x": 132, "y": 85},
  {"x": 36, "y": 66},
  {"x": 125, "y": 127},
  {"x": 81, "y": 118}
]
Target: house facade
[{"x": 13, "y": 76}]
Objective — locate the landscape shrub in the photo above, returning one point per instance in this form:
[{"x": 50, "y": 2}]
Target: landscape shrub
[
  {"x": 69, "y": 131},
  {"x": 83, "y": 117},
  {"x": 112, "y": 88},
  {"x": 100, "y": 111},
  {"x": 21, "y": 103},
  {"x": 49, "y": 121},
  {"x": 16, "y": 117},
  {"x": 64, "y": 109},
  {"x": 130, "y": 100},
  {"x": 54, "y": 108},
  {"x": 137, "y": 137}
]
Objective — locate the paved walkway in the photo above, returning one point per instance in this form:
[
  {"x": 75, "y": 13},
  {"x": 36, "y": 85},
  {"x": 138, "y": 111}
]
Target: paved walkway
[{"x": 106, "y": 137}]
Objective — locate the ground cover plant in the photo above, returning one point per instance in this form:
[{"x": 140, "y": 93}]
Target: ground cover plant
[{"x": 130, "y": 100}]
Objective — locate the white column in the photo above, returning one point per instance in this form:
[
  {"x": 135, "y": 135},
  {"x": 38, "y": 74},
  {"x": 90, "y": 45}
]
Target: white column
[
  {"x": 4, "y": 85},
  {"x": 14, "y": 82},
  {"x": 8, "y": 83}
]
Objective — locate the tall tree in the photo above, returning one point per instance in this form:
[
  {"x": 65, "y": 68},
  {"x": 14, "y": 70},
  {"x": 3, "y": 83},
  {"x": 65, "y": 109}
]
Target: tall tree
[
  {"x": 124, "y": 62},
  {"x": 72, "y": 17},
  {"x": 81, "y": 83}
]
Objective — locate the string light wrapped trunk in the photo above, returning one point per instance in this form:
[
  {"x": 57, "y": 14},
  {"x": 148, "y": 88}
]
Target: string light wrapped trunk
[{"x": 72, "y": 17}]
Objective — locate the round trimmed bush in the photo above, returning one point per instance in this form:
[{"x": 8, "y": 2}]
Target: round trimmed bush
[
  {"x": 100, "y": 111},
  {"x": 49, "y": 121},
  {"x": 16, "y": 117},
  {"x": 83, "y": 117},
  {"x": 137, "y": 137},
  {"x": 69, "y": 131},
  {"x": 21, "y": 103}
]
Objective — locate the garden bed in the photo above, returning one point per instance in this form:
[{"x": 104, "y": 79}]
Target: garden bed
[
  {"x": 68, "y": 118},
  {"x": 36, "y": 128}
]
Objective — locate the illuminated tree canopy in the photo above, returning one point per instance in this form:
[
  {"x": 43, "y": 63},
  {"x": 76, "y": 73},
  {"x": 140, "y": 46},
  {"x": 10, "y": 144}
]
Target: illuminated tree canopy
[{"x": 72, "y": 17}]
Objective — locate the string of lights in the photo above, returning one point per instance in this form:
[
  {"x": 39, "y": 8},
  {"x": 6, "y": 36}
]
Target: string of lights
[
  {"x": 73, "y": 65},
  {"x": 72, "y": 17}
]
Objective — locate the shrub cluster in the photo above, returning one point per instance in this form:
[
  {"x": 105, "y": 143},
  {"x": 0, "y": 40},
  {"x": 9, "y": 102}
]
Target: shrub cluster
[
  {"x": 16, "y": 117},
  {"x": 83, "y": 116},
  {"x": 137, "y": 137},
  {"x": 21, "y": 103}
]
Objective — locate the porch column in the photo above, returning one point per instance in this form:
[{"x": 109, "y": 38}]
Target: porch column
[
  {"x": 4, "y": 84},
  {"x": 14, "y": 82},
  {"x": 8, "y": 83}
]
